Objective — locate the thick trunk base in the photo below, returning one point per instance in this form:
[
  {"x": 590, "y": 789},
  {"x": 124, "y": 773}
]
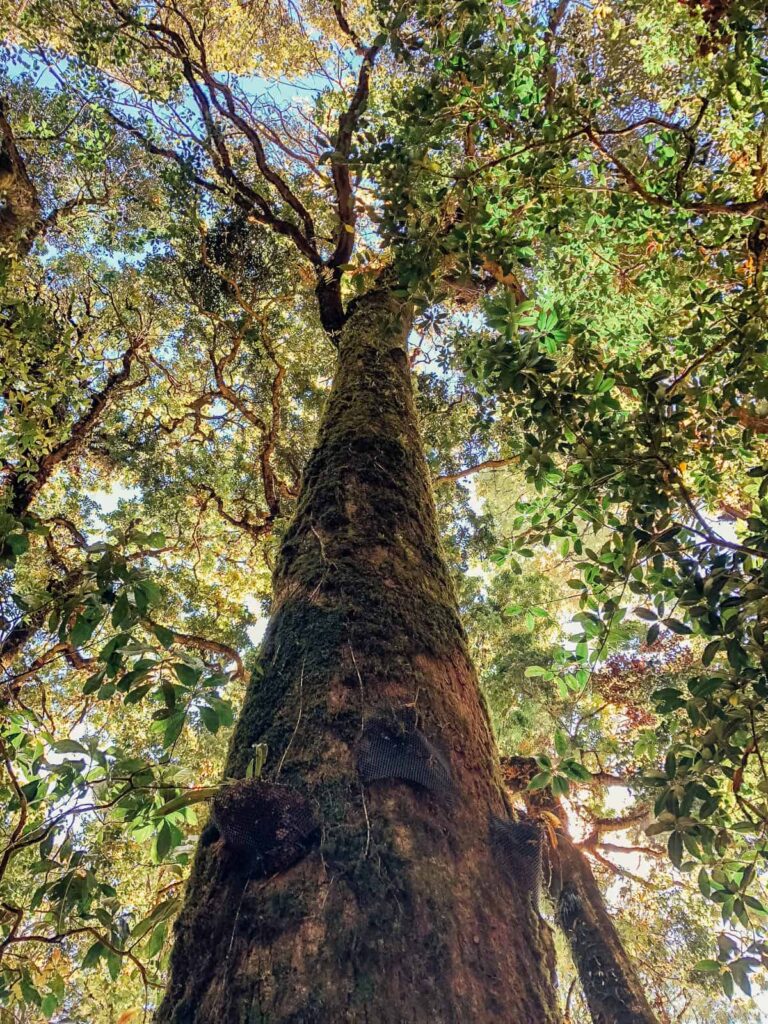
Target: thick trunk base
[{"x": 399, "y": 912}]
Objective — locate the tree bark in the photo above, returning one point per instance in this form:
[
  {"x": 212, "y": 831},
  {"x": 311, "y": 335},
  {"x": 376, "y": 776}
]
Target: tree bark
[
  {"x": 20, "y": 216},
  {"x": 397, "y": 910},
  {"x": 611, "y": 985},
  {"x": 612, "y": 988}
]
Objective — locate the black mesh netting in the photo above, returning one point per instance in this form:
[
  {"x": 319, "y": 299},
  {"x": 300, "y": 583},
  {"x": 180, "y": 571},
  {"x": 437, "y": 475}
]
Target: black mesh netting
[
  {"x": 269, "y": 826},
  {"x": 518, "y": 843},
  {"x": 393, "y": 748}
]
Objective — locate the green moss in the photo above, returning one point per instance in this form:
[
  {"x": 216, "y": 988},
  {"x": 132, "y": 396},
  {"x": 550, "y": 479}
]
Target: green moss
[
  {"x": 362, "y": 594},
  {"x": 360, "y": 567}
]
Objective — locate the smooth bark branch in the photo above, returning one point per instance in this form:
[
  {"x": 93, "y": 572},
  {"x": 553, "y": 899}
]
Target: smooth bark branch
[
  {"x": 460, "y": 474},
  {"x": 256, "y": 530},
  {"x": 340, "y": 163},
  {"x": 400, "y": 913}
]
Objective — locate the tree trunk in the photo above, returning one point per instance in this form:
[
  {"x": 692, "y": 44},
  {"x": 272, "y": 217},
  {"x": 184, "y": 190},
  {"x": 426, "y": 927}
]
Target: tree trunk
[
  {"x": 612, "y": 988},
  {"x": 395, "y": 910},
  {"x": 20, "y": 217}
]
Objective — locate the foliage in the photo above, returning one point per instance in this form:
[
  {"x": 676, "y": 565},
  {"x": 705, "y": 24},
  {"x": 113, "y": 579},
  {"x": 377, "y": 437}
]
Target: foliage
[{"x": 575, "y": 200}]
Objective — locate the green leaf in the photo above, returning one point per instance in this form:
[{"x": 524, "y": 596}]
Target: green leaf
[
  {"x": 173, "y": 726},
  {"x": 136, "y": 694},
  {"x": 162, "y": 845},
  {"x": 160, "y": 913},
  {"x": 675, "y": 848},
  {"x": 575, "y": 770},
  {"x": 710, "y": 966},
  {"x": 646, "y": 613},
  {"x": 68, "y": 747},
  {"x": 186, "y": 675},
  {"x": 122, "y": 613},
  {"x": 726, "y": 980},
  {"x": 82, "y": 631},
  {"x": 560, "y": 785},
  {"x": 709, "y": 652},
  {"x": 93, "y": 682},
  {"x": 157, "y": 941},
  {"x": 165, "y": 636},
  {"x": 49, "y": 1005},
  {"x": 677, "y": 626},
  {"x": 540, "y": 781},
  {"x": 18, "y": 543},
  {"x": 114, "y": 964},
  {"x": 561, "y": 743},
  {"x": 210, "y": 719},
  {"x": 94, "y": 954}
]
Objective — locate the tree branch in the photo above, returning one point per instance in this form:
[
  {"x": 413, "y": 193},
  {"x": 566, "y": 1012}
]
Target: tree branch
[
  {"x": 23, "y": 491},
  {"x": 460, "y": 474}
]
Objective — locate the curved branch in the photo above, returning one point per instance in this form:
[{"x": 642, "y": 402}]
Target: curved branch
[{"x": 749, "y": 208}]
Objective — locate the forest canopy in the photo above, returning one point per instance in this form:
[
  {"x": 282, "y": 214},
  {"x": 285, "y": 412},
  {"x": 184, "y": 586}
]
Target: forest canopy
[{"x": 198, "y": 200}]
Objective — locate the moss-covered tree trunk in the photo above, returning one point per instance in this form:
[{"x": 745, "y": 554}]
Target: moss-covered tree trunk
[
  {"x": 612, "y": 987},
  {"x": 395, "y": 909}
]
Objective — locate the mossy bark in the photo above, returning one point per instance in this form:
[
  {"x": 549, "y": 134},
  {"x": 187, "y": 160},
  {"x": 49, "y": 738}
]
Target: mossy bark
[
  {"x": 611, "y": 985},
  {"x": 612, "y": 988},
  {"x": 400, "y": 913}
]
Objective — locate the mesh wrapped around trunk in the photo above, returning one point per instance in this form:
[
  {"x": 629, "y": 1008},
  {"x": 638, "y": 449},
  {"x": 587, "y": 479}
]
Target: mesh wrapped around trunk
[
  {"x": 393, "y": 748},
  {"x": 519, "y": 845},
  {"x": 270, "y": 827}
]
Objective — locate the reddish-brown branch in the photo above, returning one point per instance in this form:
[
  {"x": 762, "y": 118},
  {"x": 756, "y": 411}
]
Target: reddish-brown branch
[
  {"x": 86, "y": 930},
  {"x": 201, "y": 643},
  {"x": 749, "y": 208},
  {"x": 257, "y": 530},
  {"x": 340, "y": 160},
  {"x": 460, "y": 474}
]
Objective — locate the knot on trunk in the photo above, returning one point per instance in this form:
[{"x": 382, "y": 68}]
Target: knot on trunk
[
  {"x": 268, "y": 827},
  {"x": 519, "y": 845},
  {"x": 394, "y": 748}
]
